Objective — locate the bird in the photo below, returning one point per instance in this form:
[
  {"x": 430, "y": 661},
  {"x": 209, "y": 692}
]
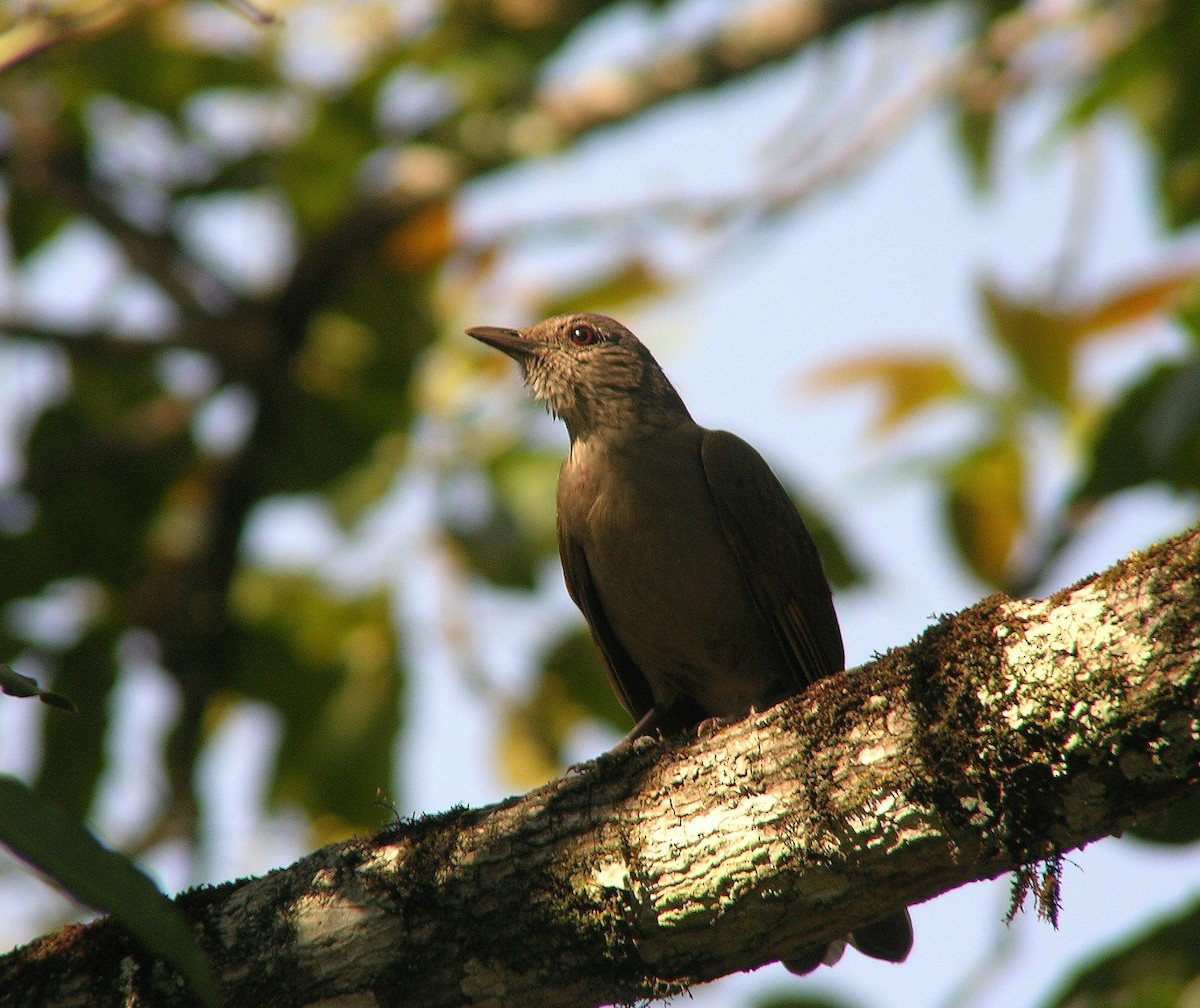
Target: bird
[{"x": 702, "y": 587}]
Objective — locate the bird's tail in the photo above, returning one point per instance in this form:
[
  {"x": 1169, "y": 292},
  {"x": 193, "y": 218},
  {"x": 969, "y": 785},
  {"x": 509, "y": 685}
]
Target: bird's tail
[{"x": 890, "y": 939}]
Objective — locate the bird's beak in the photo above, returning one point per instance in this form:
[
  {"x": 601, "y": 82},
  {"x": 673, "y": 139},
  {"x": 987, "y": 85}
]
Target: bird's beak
[{"x": 511, "y": 341}]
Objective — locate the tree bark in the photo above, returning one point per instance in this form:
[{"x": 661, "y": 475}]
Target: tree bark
[{"x": 1005, "y": 736}]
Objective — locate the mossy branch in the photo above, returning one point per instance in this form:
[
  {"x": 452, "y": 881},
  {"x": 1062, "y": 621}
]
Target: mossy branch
[{"x": 1005, "y": 736}]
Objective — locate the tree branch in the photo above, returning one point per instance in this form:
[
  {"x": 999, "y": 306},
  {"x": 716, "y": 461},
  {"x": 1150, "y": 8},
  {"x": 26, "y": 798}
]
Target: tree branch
[{"x": 1007, "y": 734}]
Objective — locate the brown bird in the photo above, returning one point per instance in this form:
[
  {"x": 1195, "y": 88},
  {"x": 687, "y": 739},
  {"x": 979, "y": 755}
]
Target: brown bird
[{"x": 700, "y": 583}]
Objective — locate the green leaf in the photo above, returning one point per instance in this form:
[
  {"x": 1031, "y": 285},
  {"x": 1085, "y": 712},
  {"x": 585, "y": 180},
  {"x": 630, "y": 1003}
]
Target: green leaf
[
  {"x": 976, "y": 129},
  {"x": 1151, "y": 436},
  {"x": 517, "y": 533},
  {"x": 318, "y": 172},
  {"x": 329, "y": 664},
  {"x": 147, "y": 64},
  {"x": 33, "y": 223},
  {"x": 526, "y": 484},
  {"x": 74, "y": 748},
  {"x": 619, "y": 288},
  {"x": 1156, "y": 80},
  {"x": 1155, "y": 970},
  {"x": 17, "y": 685},
  {"x": 99, "y": 464},
  {"x": 1039, "y": 340},
  {"x": 574, "y": 660},
  {"x": 60, "y": 847},
  {"x": 494, "y": 549},
  {"x": 843, "y": 567}
]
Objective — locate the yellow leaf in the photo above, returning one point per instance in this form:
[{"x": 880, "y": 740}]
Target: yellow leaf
[
  {"x": 1043, "y": 335},
  {"x": 526, "y": 757},
  {"x": 533, "y": 732},
  {"x": 910, "y": 383},
  {"x": 985, "y": 497},
  {"x": 422, "y": 241},
  {"x": 1151, "y": 296},
  {"x": 630, "y": 281}
]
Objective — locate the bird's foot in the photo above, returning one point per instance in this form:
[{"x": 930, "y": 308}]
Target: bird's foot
[{"x": 711, "y": 725}]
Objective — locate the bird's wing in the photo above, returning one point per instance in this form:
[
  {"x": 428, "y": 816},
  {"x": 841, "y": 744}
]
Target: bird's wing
[
  {"x": 776, "y": 555},
  {"x": 625, "y": 678}
]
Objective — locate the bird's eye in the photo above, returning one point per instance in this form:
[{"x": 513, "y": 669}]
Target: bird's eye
[{"x": 583, "y": 335}]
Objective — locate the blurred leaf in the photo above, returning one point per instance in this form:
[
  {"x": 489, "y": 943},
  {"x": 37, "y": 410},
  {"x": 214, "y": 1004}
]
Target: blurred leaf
[
  {"x": 63, "y": 849},
  {"x": 1187, "y": 314},
  {"x": 571, "y": 687},
  {"x": 336, "y": 350},
  {"x": 147, "y": 64},
  {"x": 1157, "y": 80},
  {"x": 1043, "y": 337},
  {"x": 799, "y": 1000},
  {"x": 319, "y": 171},
  {"x": 1158, "y": 969},
  {"x": 73, "y": 748},
  {"x": 843, "y": 568},
  {"x": 574, "y": 660},
  {"x": 1039, "y": 340},
  {"x": 985, "y": 505},
  {"x": 16, "y": 685},
  {"x": 1147, "y": 298},
  {"x": 1152, "y": 435},
  {"x": 346, "y": 394},
  {"x": 508, "y": 542},
  {"x": 364, "y": 485},
  {"x": 531, "y": 736},
  {"x": 526, "y": 483},
  {"x": 494, "y": 549},
  {"x": 103, "y": 437},
  {"x": 986, "y": 84},
  {"x": 424, "y": 240},
  {"x": 329, "y": 664},
  {"x": 619, "y": 289},
  {"x": 910, "y": 383},
  {"x": 976, "y": 130},
  {"x": 32, "y": 224}
]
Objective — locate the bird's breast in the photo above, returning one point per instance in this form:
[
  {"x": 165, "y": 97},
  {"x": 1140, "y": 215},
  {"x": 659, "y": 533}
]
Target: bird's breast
[{"x": 667, "y": 578}]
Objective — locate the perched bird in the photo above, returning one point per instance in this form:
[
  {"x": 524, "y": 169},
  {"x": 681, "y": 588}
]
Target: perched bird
[{"x": 700, "y": 583}]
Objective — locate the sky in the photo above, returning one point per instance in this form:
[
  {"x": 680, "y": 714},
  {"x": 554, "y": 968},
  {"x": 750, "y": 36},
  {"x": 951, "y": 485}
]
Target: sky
[{"x": 885, "y": 260}]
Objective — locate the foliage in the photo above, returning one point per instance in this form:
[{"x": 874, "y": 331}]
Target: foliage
[
  {"x": 1151, "y": 435},
  {"x": 103, "y": 879},
  {"x": 1155, "y": 970}
]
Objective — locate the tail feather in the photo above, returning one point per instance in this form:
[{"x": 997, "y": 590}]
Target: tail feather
[{"x": 890, "y": 939}]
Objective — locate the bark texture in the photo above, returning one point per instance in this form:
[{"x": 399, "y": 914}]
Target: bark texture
[{"x": 1006, "y": 735}]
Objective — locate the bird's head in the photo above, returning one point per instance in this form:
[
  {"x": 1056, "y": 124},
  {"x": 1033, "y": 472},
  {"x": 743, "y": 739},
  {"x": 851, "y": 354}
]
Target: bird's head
[{"x": 591, "y": 371}]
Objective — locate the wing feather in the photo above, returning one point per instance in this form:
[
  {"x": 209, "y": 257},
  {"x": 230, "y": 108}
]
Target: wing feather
[
  {"x": 626, "y": 679},
  {"x": 776, "y": 555}
]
